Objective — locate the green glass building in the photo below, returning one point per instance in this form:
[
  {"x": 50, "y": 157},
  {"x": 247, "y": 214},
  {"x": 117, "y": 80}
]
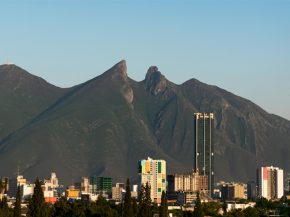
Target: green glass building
[
  {"x": 100, "y": 184},
  {"x": 104, "y": 184}
]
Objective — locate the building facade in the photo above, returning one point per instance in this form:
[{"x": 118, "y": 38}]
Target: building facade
[
  {"x": 204, "y": 147},
  {"x": 50, "y": 186},
  {"x": 85, "y": 185},
  {"x": 117, "y": 191},
  {"x": 104, "y": 184},
  {"x": 232, "y": 191},
  {"x": 153, "y": 172},
  {"x": 251, "y": 190},
  {"x": 190, "y": 182},
  {"x": 270, "y": 182}
]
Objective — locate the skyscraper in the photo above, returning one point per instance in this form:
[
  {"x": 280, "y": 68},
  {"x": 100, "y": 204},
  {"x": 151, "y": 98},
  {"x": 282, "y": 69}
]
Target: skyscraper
[
  {"x": 153, "y": 172},
  {"x": 204, "y": 147},
  {"x": 270, "y": 182}
]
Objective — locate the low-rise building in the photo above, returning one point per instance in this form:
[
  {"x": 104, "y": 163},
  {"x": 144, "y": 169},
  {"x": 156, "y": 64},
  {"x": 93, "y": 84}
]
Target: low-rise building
[
  {"x": 50, "y": 188},
  {"x": 117, "y": 191},
  {"x": 72, "y": 193},
  {"x": 232, "y": 191}
]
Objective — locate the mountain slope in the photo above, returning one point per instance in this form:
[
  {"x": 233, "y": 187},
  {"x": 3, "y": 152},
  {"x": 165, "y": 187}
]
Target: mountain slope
[
  {"x": 22, "y": 97},
  {"x": 104, "y": 126}
]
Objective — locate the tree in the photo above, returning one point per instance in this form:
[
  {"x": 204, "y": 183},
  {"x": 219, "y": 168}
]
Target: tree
[
  {"x": 163, "y": 209},
  {"x": 141, "y": 199},
  {"x": 128, "y": 209},
  {"x": 4, "y": 209},
  {"x": 61, "y": 208},
  {"x": 135, "y": 207},
  {"x": 250, "y": 211},
  {"x": 17, "y": 205},
  {"x": 211, "y": 208},
  {"x": 198, "y": 212},
  {"x": 1, "y": 187},
  {"x": 144, "y": 209},
  {"x": 37, "y": 206},
  {"x": 147, "y": 200},
  {"x": 224, "y": 206}
]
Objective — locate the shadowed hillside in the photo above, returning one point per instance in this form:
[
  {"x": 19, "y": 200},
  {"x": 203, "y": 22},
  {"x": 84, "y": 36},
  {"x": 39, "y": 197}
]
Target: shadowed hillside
[{"x": 105, "y": 125}]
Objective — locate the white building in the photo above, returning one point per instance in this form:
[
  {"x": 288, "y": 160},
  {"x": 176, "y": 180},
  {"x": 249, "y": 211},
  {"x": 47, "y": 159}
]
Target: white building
[
  {"x": 270, "y": 182},
  {"x": 153, "y": 172},
  {"x": 27, "y": 191},
  {"x": 49, "y": 187}
]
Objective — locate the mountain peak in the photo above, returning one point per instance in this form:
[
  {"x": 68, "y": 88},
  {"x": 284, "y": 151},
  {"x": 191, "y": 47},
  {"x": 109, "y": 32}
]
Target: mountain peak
[
  {"x": 155, "y": 82},
  {"x": 119, "y": 69}
]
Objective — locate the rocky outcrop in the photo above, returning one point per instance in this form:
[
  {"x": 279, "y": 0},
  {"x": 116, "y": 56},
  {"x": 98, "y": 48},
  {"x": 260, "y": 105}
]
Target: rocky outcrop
[{"x": 155, "y": 82}]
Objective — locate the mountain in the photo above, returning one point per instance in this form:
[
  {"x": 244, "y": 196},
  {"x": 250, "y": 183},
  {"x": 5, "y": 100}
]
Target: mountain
[
  {"x": 105, "y": 125},
  {"x": 22, "y": 97}
]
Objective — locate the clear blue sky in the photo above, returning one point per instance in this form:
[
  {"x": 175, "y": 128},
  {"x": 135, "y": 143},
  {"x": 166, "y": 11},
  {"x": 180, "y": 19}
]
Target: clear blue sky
[{"x": 240, "y": 45}]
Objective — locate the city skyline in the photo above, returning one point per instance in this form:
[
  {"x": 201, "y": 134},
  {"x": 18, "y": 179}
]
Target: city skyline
[{"x": 240, "y": 46}]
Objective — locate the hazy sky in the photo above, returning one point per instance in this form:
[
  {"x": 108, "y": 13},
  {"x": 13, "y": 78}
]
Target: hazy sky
[{"x": 240, "y": 45}]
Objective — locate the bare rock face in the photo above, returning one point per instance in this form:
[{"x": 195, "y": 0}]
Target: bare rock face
[
  {"x": 119, "y": 73},
  {"x": 155, "y": 82},
  {"x": 128, "y": 93},
  {"x": 120, "y": 69}
]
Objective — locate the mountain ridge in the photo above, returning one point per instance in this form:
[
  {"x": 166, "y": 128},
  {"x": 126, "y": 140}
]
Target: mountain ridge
[{"x": 112, "y": 119}]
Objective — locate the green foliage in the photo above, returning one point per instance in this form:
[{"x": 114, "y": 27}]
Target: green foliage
[
  {"x": 128, "y": 208},
  {"x": 163, "y": 209},
  {"x": 37, "y": 206},
  {"x": 101, "y": 208},
  {"x": 61, "y": 208},
  {"x": 17, "y": 205},
  {"x": 236, "y": 213},
  {"x": 211, "y": 208},
  {"x": 198, "y": 211},
  {"x": 251, "y": 212}
]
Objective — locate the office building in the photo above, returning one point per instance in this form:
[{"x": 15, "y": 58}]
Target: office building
[
  {"x": 117, "y": 191},
  {"x": 5, "y": 183},
  {"x": 204, "y": 147},
  {"x": 190, "y": 182},
  {"x": 100, "y": 185},
  {"x": 153, "y": 172},
  {"x": 104, "y": 184},
  {"x": 134, "y": 192},
  {"x": 85, "y": 185},
  {"x": 26, "y": 191},
  {"x": 232, "y": 191},
  {"x": 270, "y": 182},
  {"x": 50, "y": 186},
  {"x": 251, "y": 190},
  {"x": 72, "y": 193},
  {"x": 14, "y": 183},
  {"x": 93, "y": 184}
]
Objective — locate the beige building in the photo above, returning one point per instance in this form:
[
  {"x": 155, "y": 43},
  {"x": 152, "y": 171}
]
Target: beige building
[
  {"x": 117, "y": 191},
  {"x": 232, "y": 191},
  {"x": 85, "y": 185},
  {"x": 191, "y": 182}
]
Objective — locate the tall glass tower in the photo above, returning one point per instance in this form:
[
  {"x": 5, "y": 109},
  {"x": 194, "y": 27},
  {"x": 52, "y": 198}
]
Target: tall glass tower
[{"x": 204, "y": 147}]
